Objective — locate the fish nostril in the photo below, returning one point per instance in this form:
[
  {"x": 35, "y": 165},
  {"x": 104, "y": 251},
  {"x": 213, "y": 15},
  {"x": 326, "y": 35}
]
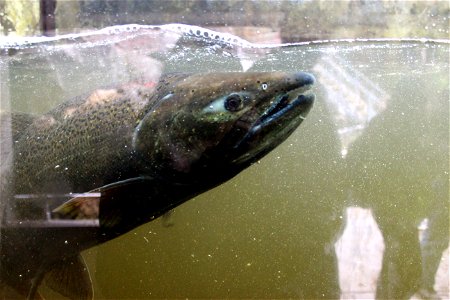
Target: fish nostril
[{"x": 303, "y": 78}]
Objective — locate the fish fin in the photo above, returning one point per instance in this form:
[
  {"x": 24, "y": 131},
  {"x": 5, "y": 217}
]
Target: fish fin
[
  {"x": 104, "y": 203},
  {"x": 71, "y": 279},
  {"x": 84, "y": 206},
  {"x": 167, "y": 219},
  {"x": 114, "y": 208},
  {"x": 8, "y": 292}
]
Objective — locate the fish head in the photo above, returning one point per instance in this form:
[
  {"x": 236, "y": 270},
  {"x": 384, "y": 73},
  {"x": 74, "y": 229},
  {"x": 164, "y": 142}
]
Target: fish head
[{"x": 219, "y": 123}]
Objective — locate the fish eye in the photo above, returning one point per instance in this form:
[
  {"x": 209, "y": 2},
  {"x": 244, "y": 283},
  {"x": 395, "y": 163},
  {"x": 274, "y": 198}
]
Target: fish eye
[
  {"x": 234, "y": 102},
  {"x": 264, "y": 86}
]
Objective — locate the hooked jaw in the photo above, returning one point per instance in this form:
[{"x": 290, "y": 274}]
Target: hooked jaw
[
  {"x": 300, "y": 98},
  {"x": 284, "y": 114}
]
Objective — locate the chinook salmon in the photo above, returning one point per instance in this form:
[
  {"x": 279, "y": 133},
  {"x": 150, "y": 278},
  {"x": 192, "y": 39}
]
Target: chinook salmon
[{"x": 122, "y": 157}]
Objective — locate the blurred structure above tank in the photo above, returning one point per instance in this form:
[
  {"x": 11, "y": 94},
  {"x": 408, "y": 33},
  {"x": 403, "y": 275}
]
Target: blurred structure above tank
[{"x": 294, "y": 21}]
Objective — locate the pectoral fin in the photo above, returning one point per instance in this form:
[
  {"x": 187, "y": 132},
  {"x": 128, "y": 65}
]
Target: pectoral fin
[
  {"x": 71, "y": 279},
  {"x": 167, "y": 219},
  {"x": 81, "y": 207},
  {"x": 109, "y": 203},
  {"x": 121, "y": 203}
]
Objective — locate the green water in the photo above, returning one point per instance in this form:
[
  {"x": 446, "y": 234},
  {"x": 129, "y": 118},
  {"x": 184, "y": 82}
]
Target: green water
[{"x": 377, "y": 137}]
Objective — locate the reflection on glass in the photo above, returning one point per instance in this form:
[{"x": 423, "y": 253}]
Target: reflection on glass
[{"x": 354, "y": 100}]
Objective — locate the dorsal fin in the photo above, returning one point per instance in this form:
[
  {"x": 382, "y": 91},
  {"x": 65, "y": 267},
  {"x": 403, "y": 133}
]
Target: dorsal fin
[{"x": 71, "y": 279}]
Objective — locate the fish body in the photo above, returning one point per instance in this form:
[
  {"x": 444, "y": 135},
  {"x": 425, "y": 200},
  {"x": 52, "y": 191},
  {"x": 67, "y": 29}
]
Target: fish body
[{"x": 118, "y": 158}]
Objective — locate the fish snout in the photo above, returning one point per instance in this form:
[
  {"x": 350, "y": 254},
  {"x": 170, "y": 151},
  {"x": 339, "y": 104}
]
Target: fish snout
[{"x": 303, "y": 78}]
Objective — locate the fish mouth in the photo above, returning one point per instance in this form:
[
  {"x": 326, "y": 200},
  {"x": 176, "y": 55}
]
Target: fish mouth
[
  {"x": 277, "y": 122},
  {"x": 299, "y": 98}
]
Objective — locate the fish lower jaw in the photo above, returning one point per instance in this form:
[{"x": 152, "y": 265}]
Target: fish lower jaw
[
  {"x": 292, "y": 100},
  {"x": 279, "y": 116},
  {"x": 303, "y": 90}
]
